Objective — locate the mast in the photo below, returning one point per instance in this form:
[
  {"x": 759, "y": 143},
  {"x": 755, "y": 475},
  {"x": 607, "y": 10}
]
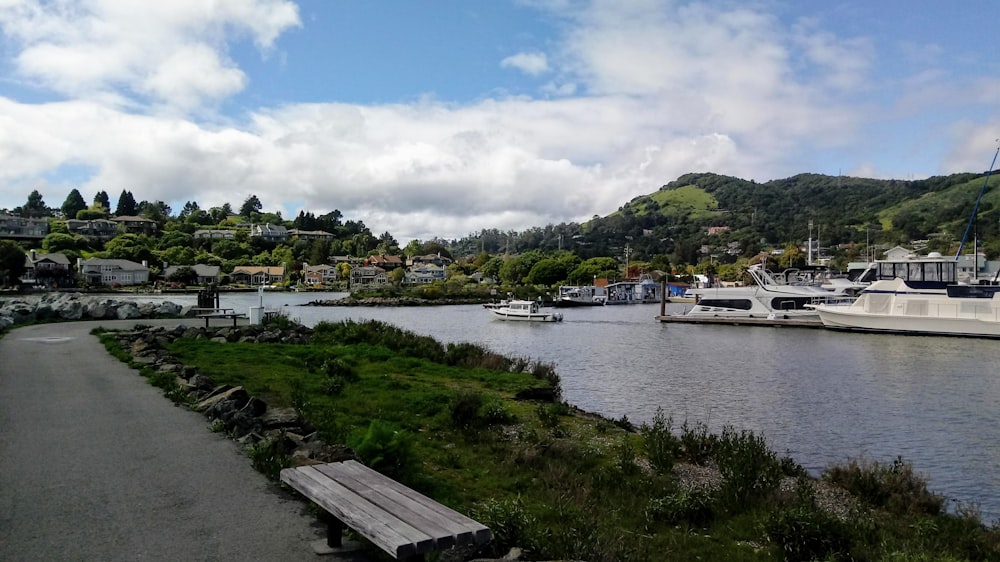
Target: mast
[{"x": 975, "y": 209}]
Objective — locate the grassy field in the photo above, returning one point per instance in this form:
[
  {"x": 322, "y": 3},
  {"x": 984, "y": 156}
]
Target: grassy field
[{"x": 563, "y": 484}]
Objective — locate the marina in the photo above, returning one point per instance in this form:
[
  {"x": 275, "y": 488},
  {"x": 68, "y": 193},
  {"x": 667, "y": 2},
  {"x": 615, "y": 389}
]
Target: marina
[{"x": 820, "y": 396}]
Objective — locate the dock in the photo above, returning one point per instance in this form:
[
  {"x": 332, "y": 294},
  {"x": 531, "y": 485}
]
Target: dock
[{"x": 746, "y": 321}]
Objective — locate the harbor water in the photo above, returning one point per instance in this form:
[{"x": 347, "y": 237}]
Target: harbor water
[{"x": 819, "y": 396}]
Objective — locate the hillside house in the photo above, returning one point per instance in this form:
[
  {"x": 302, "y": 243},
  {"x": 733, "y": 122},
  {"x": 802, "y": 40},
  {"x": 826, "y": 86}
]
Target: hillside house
[
  {"x": 387, "y": 263},
  {"x": 269, "y": 232},
  {"x": 18, "y": 228},
  {"x": 137, "y": 225},
  {"x": 310, "y": 234},
  {"x": 215, "y": 234},
  {"x": 96, "y": 229}
]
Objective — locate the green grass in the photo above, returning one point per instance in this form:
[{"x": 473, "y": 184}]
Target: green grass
[{"x": 562, "y": 484}]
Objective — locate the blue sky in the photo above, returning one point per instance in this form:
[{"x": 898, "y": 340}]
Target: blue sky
[{"x": 439, "y": 118}]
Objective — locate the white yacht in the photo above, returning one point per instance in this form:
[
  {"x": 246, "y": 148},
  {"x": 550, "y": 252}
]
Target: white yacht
[
  {"x": 919, "y": 296},
  {"x": 588, "y": 295},
  {"x": 524, "y": 311},
  {"x": 770, "y": 296}
]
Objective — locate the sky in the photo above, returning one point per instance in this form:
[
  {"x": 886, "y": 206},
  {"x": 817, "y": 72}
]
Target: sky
[{"x": 439, "y": 118}]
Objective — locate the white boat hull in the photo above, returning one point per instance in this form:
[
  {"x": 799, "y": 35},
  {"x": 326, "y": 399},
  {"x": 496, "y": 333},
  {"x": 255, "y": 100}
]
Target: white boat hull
[
  {"x": 524, "y": 311},
  {"x": 843, "y": 318}
]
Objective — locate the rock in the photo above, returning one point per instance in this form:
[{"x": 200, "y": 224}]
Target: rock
[
  {"x": 216, "y": 398},
  {"x": 168, "y": 308},
  {"x": 280, "y": 417},
  {"x": 128, "y": 311}
]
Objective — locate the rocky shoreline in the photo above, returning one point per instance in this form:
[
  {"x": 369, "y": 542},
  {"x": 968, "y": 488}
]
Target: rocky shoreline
[{"x": 77, "y": 306}]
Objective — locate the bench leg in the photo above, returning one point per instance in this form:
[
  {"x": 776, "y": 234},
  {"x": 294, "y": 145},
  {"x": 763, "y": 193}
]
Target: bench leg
[{"x": 334, "y": 531}]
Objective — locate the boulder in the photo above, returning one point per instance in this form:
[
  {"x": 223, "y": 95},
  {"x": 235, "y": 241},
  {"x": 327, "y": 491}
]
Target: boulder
[{"x": 128, "y": 311}]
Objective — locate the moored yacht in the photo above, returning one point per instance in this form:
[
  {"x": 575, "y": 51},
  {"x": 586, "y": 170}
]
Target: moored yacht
[{"x": 919, "y": 296}]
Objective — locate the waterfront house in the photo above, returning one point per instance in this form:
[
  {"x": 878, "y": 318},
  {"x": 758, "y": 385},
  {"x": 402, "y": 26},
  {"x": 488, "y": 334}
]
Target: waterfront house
[
  {"x": 368, "y": 276},
  {"x": 436, "y": 259},
  {"x": 99, "y": 271},
  {"x": 47, "y": 270},
  {"x": 206, "y": 274},
  {"x": 322, "y": 274},
  {"x": 258, "y": 274},
  {"x": 385, "y": 262}
]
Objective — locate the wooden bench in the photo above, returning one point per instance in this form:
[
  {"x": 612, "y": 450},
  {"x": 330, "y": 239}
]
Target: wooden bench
[
  {"x": 397, "y": 519},
  {"x": 209, "y": 313}
]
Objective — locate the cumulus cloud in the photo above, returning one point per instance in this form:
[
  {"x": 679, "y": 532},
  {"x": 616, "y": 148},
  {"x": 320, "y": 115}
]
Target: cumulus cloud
[
  {"x": 165, "y": 53},
  {"x": 529, "y": 63},
  {"x": 642, "y": 92}
]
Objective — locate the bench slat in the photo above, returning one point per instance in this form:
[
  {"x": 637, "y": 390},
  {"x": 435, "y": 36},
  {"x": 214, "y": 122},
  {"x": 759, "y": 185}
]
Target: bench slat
[
  {"x": 381, "y": 527},
  {"x": 417, "y": 514},
  {"x": 429, "y": 514}
]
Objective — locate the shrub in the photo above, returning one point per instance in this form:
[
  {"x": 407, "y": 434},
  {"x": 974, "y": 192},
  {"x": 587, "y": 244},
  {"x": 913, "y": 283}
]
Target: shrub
[
  {"x": 386, "y": 449},
  {"x": 894, "y": 487},
  {"x": 695, "y": 506},
  {"x": 749, "y": 469},
  {"x": 471, "y": 409},
  {"x": 662, "y": 447},
  {"x": 806, "y": 533},
  {"x": 697, "y": 443},
  {"x": 336, "y": 367},
  {"x": 508, "y": 520}
]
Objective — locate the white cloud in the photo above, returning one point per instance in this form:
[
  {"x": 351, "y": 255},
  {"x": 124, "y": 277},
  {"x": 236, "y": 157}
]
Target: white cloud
[
  {"x": 167, "y": 53},
  {"x": 642, "y": 92},
  {"x": 529, "y": 63}
]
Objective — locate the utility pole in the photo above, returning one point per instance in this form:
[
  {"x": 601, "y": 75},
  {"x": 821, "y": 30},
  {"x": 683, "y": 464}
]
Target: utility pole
[{"x": 810, "y": 258}]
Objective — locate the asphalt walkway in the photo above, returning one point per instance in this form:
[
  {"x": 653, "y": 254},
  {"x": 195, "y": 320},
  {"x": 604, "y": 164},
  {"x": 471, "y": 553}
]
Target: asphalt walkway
[{"x": 95, "y": 464}]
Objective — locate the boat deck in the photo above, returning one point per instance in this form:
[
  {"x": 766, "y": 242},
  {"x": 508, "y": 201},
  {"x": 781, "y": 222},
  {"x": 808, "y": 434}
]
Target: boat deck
[{"x": 746, "y": 321}]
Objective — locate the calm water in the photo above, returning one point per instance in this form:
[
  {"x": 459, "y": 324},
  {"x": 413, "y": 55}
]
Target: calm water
[{"x": 821, "y": 396}]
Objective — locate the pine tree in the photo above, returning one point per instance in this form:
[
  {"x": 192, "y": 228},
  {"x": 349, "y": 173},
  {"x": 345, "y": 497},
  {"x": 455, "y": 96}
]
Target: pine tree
[
  {"x": 126, "y": 205},
  {"x": 74, "y": 204}
]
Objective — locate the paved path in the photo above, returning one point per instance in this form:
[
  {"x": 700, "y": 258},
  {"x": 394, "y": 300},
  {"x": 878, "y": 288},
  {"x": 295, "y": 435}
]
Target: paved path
[{"x": 95, "y": 464}]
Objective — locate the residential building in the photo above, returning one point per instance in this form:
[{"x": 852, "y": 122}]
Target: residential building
[
  {"x": 310, "y": 234},
  {"x": 425, "y": 274},
  {"x": 319, "y": 274},
  {"x": 19, "y": 228},
  {"x": 99, "y": 271},
  {"x": 215, "y": 234},
  {"x": 368, "y": 275},
  {"x": 385, "y": 262},
  {"x": 206, "y": 274},
  {"x": 269, "y": 232},
  {"x": 137, "y": 225},
  {"x": 436, "y": 259},
  {"x": 258, "y": 274},
  {"x": 96, "y": 229},
  {"x": 47, "y": 270}
]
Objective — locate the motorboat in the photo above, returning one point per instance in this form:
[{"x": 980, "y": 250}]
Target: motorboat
[
  {"x": 524, "y": 311},
  {"x": 573, "y": 296},
  {"x": 919, "y": 295},
  {"x": 769, "y": 296}
]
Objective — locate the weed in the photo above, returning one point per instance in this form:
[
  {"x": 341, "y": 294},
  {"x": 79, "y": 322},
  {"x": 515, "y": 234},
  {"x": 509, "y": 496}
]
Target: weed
[
  {"x": 894, "y": 487},
  {"x": 662, "y": 447},
  {"x": 270, "y": 456},
  {"x": 695, "y": 506},
  {"x": 697, "y": 443}
]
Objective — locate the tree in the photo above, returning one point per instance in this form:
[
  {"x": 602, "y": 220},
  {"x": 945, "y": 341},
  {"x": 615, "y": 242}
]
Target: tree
[
  {"x": 129, "y": 247},
  {"x": 101, "y": 200},
  {"x": 190, "y": 207},
  {"x": 183, "y": 274},
  {"x": 73, "y": 204},
  {"x": 11, "y": 263},
  {"x": 92, "y": 213},
  {"x": 387, "y": 244},
  {"x": 126, "y": 205},
  {"x": 34, "y": 208},
  {"x": 250, "y": 206},
  {"x": 56, "y": 242}
]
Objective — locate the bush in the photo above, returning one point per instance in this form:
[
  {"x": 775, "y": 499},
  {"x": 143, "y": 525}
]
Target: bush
[
  {"x": 806, "y": 533},
  {"x": 894, "y": 487},
  {"x": 695, "y": 506},
  {"x": 386, "y": 449},
  {"x": 508, "y": 520},
  {"x": 270, "y": 456},
  {"x": 749, "y": 469},
  {"x": 697, "y": 443},
  {"x": 662, "y": 447},
  {"x": 471, "y": 410}
]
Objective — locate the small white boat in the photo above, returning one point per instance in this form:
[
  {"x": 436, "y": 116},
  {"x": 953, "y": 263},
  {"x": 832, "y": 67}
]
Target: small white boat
[{"x": 524, "y": 311}]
